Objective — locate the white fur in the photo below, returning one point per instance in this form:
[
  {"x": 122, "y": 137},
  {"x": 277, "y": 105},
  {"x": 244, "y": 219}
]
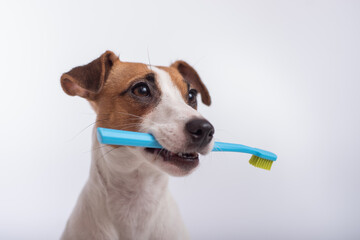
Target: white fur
[
  {"x": 126, "y": 195},
  {"x": 167, "y": 121}
]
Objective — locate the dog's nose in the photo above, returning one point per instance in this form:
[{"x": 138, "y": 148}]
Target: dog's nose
[{"x": 200, "y": 130}]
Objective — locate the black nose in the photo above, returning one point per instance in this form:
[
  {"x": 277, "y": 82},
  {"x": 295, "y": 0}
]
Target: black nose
[{"x": 200, "y": 130}]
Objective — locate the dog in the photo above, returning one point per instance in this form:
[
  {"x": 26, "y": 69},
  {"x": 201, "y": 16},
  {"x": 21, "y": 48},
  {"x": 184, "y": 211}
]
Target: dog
[{"x": 126, "y": 195}]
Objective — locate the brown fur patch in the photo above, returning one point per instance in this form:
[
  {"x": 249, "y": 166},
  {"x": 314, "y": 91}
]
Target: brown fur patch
[
  {"x": 87, "y": 80},
  {"x": 122, "y": 111},
  {"x": 193, "y": 78}
]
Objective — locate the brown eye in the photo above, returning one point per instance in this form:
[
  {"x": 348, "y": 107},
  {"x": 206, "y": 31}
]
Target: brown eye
[
  {"x": 141, "y": 90},
  {"x": 192, "y": 96}
]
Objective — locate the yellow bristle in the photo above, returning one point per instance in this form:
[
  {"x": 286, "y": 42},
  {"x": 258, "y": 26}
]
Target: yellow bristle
[{"x": 260, "y": 162}]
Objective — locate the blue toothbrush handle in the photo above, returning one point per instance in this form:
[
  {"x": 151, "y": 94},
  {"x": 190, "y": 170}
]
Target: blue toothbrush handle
[
  {"x": 121, "y": 137},
  {"x": 233, "y": 147},
  {"x": 137, "y": 139}
]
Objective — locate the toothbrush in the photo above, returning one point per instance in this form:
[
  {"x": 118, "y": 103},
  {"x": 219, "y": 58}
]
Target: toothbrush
[{"x": 260, "y": 158}]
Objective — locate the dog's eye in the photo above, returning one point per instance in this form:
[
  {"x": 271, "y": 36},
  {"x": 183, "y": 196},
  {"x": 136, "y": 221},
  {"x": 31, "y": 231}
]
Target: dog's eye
[
  {"x": 141, "y": 90},
  {"x": 192, "y": 96}
]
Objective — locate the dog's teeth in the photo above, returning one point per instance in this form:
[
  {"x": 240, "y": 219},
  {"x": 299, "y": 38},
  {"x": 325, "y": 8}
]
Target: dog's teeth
[{"x": 186, "y": 155}]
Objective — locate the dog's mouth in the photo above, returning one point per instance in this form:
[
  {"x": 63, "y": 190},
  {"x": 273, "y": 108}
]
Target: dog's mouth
[{"x": 185, "y": 161}]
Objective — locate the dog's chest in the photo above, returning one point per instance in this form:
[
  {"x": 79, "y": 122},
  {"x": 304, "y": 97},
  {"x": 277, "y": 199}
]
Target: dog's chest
[{"x": 134, "y": 208}]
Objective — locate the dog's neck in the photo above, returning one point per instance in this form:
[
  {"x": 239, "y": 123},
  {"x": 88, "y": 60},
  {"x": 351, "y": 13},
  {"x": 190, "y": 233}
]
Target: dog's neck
[
  {"x": 124, "y": 167},
  {"x": 132, "y": 189}
]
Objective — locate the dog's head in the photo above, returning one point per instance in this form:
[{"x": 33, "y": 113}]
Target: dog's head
[{"x": 158, "y": 100}]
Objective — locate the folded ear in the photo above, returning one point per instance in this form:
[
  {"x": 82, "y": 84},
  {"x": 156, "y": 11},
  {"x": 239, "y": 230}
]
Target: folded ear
[
  {"x": 192, "y": 77},
  {"x": 87, "y": 81}
]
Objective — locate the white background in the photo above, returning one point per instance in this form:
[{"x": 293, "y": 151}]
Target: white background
[{"x": 283, "y": 76}]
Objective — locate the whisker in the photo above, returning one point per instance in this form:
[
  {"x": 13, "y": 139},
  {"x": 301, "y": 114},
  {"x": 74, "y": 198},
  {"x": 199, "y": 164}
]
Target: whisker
[
  {"x": 126, "y": 127},
  {"x": 87, "y": 128},
  {"x": 96, "y": 148},
  {"x": 136, "y": 116},
  {"x": 148, "y": 55},
  {"x": 103, "y": 156},
  {"x": 157, "y": 155},
  {"x": 132, "y": 115},
  {"x": 127, "y": 124}
]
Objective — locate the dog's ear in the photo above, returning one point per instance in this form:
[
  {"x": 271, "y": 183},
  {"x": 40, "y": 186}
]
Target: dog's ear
[
  {"x": 87, "y": 81},
  {"x": 192, "y": 77}
]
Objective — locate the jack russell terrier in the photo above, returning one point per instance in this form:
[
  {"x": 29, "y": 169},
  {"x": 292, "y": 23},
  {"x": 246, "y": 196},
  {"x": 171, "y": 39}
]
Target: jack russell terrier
[{"x": 126, "y": 195}]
